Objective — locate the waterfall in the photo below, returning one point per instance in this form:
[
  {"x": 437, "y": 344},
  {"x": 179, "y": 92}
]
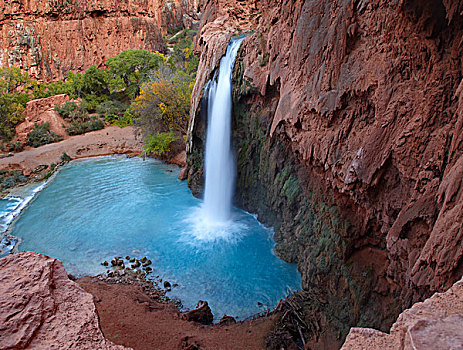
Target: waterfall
[{"x": 220, "y": 165}]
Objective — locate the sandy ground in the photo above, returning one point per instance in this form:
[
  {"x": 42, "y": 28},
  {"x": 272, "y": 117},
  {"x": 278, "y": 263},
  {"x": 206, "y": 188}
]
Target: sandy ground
[
  {"x": 111, "y": 140},
  {"x": 130, "y": 318}
]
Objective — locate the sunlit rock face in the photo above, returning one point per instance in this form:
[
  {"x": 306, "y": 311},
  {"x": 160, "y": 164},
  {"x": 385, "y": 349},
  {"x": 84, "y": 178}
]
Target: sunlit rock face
[
  {"x": 50, "y": 38},
  {"x": 348, "y": 136},
  {"x": 41, "y": 308},
  {"x": 432, "y": 324}
]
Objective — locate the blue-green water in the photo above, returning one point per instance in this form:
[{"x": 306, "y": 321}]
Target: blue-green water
[{"x": 100, "y": 208}]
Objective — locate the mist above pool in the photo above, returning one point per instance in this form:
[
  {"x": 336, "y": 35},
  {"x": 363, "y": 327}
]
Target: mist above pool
[{"x": 100, "y": 208}]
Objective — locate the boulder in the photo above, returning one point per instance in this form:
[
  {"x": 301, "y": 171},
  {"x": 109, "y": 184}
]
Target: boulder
[
  {"x": 41, "y": 308},
  {"x": 183, "y": 175},
  {"x": 227, "y": 320},
  {"x": 178, "y": 159},
  {"x": 202, "y": 314},
  {"x": 42, "y": 111}
]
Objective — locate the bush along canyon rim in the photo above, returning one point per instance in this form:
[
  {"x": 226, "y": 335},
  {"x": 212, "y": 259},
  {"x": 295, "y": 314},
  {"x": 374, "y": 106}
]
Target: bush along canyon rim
[{"x": 337, "y": 123}]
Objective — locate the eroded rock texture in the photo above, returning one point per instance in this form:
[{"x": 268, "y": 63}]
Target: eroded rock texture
[
  {"x": 41, "y": 308},
  {"x": 435, "y": 323},
  {"x": 348, "y": 126},
  {"x": 49, "y": 38},
  {"x": 41, "y": 111}
]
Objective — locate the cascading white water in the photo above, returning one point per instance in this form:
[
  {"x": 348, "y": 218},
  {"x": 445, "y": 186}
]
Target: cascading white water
[{"x": 220, "y": 167}]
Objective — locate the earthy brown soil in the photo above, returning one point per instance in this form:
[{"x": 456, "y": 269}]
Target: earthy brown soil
[
  {"x": 130, "y": 318},
  {"x": 111, "y": 140}
]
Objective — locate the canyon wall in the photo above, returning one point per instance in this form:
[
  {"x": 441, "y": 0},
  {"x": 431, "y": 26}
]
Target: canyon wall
[
  {"x": 49, "y": 38},
  {"x": 348, "y": 128}
]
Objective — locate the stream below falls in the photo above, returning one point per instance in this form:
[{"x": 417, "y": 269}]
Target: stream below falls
[{"x": 99, "y": 208}]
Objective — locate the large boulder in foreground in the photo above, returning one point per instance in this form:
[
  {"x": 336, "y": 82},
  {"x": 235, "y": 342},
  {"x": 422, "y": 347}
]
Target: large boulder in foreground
[
  {"x": 41, "y": 111},
  {"x": 41, "y": 308},
  {"x": 436, "y": 323}
]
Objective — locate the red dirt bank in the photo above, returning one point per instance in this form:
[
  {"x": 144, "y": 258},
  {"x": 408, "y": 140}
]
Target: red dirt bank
[
  {"x": 111, "y": 140},
  {"x": 130, "y": 318},
  {"x": 41, "y": 308}
]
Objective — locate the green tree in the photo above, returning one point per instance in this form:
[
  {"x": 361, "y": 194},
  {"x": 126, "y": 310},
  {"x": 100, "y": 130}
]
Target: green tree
[
  {"x": 11, "y": 78},
  {"x": 130, "y": 69},
  {"x": 159, "y": 143},
  {"x": 94, "y": 82},
  {"x": 13, "y": 99}
]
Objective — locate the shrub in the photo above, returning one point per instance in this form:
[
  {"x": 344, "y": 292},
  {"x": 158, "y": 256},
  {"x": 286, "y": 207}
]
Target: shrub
[
  {"x": 80, "y": 122},
  {"x": 78, "y": 128},
  {"x": 159, "y": 143},
  {"x": 72, "y": 111},
  {"x": 91, "y": 102},
  {"x": 65, "y": 157},
  {"x": 42, "y": 135},
  {"x": 13, "y": 147},
  {"x": 13, "y": 178},
  {"x": 9, "y": 182},
  {"x": 164, "y": 102},
  {"x": 115, "y": 112}
]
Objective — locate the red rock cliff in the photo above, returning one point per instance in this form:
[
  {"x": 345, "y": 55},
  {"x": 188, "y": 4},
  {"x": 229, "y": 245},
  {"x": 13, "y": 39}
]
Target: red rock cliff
[
  {"x": 353, "y": 143},
  {"x": 49, "y": 38}
]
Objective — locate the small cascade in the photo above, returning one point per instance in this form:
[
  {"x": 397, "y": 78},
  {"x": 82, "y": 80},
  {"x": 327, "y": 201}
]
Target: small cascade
[{"x": 220, "y": 164}]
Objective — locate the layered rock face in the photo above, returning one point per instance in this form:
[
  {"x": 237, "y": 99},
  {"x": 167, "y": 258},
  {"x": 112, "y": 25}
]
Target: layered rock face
[
  {"x": 349, "y": 136},
  {"x": 50, "y": 38},
  {"x": 40, "y": 308}
]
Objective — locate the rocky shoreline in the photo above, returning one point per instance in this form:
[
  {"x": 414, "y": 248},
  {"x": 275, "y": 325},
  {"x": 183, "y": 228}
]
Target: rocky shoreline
[{"x": 42, "y": 307}]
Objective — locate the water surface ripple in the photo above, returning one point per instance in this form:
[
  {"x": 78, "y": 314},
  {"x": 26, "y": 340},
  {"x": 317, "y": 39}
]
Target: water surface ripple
[{"x": 100, "y": 208}]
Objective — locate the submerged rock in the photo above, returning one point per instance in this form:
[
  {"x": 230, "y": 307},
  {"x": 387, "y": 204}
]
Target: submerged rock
[{"x": 202, "y": 314}]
